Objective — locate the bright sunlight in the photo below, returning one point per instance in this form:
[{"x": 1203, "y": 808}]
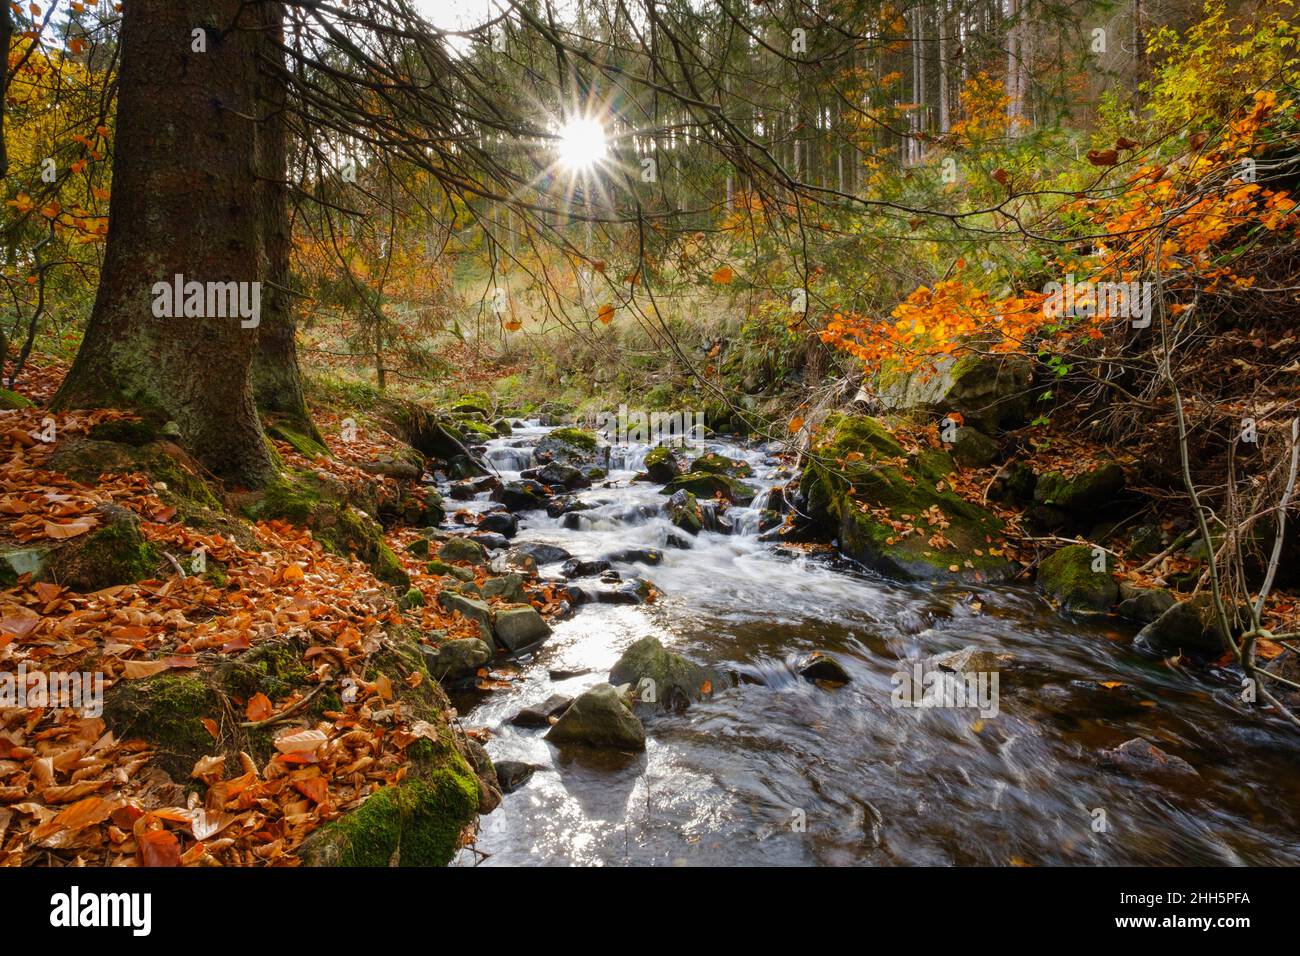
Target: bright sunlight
[{"x": 582, "y": 144}]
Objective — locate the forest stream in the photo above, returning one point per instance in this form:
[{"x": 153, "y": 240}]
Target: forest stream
[{"x": 780, "y": 770}]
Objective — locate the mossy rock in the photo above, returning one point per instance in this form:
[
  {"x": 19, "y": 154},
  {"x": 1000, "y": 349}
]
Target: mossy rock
[
  {"x": 721, "y": 465},
  {"x": 115, "y": 553},
  {"x": 508, "y": 587},
  {"x": 442, "y": 568},
  {"x": 662, "y": 464},
  {"x": 973, "y": 449},
  {"x": 417, "y": 822},
  {"x": 305, "y": 499},
  {"x": 988, "y": 390},
  {"x": 599, "y": 717},
  {"x": 1190, "y": 627},
  {"x": 842, "y": 435},
  {"x": 684, "y": 512},
  {"x": 576, "y": 437},
  {"x": 574, "y": 446},
  {"x": 659, "y": 678},
  {"x": 1085, "y": 492},
  {"x": 168, "y": 711},
  {"x": 418, "y": 548},
  {"x": 471, "y": 407},
  {"x": 462, "y": 549},
  {"x": 477, "y": 429},
  {"x": 859, "y": 466},
  {"x": 1014, "y": 483},
  {"x": 11, "y": 400},
  {"x": 273, "y": 667},
  {"x": 411, "y": 599},
  {"x": 705, "y": 484},
  {"x": 1069, "y": 577}
]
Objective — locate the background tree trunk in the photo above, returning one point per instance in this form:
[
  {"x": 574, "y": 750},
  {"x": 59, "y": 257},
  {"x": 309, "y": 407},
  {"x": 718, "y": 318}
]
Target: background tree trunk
[
  {"x": 277, "y": 377},
  {"x": 184, "y": 202}
]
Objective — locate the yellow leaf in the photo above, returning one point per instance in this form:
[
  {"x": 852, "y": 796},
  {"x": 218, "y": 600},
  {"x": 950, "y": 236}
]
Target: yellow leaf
[
  {"x": 723, "y": 275},
  {"x": 796, "y": 423},
  {"x": 606, "y": 313}
]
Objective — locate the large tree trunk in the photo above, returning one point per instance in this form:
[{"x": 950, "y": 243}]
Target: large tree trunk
[
  {"x": 183, "y": 204},
  {"x": 277, "y": 378}
]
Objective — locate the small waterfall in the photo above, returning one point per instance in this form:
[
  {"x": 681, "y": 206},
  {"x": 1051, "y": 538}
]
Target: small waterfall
[{"x": 508, "y": 458}]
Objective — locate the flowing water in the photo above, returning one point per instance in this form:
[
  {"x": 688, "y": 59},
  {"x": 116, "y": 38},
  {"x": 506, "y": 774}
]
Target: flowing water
[{"x": 781, "y": 771}]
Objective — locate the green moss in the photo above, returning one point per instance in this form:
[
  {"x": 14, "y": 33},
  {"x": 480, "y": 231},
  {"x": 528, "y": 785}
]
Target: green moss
[
  {"x": 419, "y": 547},
  {"x": 273, "y": 668},
  {"x": 658, "y": 456},
  {"x": 1090, "y": 489},
  {"x": 478, "y": 428},
  {"x": 10, "y": 400},
  {"x": 576, "y": 437},
  {"x": 443, "y": 568},
  {"x": 704, "y": 484},
  {"x": 720, "y": 465},
  {"x": 412, "y": 598},
  {"x": 115, "y": 554},
  {"x": 387, "y": 567},
  {"x": 858, "y": 433},
  {"x": 87, "y": 459},
  {"x": 303, "y": 444},
  {"x": 167, "y": 710},
  {"x": 305, "y": 499},
  {"x": 416, "y": 823},
  {"x": 474, "y": 405},
  {"x": 860, "y": 463},
  {"x": 935, "y": 464},
  {"x": 183, "y": 487},
  {"x": 293, "y": 496},
  {"x": 1068, "y": 577}
]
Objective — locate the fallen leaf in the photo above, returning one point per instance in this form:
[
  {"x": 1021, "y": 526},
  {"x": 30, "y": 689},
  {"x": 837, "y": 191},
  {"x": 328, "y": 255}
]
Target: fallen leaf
[
  {"x": 259, "y": 707},
  {"x": 159, "y": 848},
  {"x": 137, "y": 670},
  {"x": 301, "y": 741}
]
